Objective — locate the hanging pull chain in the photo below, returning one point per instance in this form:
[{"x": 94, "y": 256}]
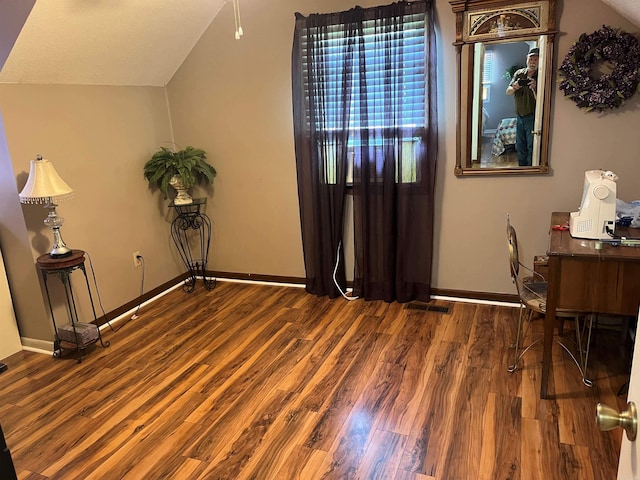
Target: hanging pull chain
[{"x": 236, "y": 15}]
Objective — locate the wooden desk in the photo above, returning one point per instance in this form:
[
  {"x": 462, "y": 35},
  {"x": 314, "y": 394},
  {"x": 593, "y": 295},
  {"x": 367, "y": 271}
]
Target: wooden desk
[{"x": 589, "y": 280}]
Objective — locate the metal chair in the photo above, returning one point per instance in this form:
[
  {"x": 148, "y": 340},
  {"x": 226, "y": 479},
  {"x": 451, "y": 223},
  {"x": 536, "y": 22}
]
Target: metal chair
[{"x": 532, "y": 293}]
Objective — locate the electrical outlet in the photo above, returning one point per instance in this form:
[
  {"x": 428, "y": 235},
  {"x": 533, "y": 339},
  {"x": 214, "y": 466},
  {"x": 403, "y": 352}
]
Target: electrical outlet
[{"x": 137, "y": 259}]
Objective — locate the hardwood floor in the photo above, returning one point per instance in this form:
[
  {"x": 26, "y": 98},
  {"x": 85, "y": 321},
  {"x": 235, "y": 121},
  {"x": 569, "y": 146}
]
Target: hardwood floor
[
  {"x": 265, "y": 382},
  {"x": 508, "y": 159}
]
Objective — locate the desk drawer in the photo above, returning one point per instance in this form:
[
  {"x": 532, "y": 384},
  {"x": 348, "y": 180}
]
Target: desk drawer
[{"x": 602, "y": 286}]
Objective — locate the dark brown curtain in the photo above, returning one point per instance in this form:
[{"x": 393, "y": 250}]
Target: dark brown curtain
[
  {"x": 346, "y": 109},
  {"x": 393, "y": 201},
  {"x": 321, "y": 137}
]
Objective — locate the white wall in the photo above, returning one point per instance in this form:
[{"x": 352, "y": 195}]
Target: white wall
[{"x": 10, "y": 338}]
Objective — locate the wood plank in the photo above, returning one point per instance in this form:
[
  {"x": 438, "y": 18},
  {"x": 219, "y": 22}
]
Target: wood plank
[
  {"x": 430, "y": 437},
  {"x": 501, "y": 430},
  {"x": 337, "y": 407},
  {"x": 382, "y": 456},
  {"x": 255, "y": 381},
  {"x": 304, "y": 463},
  {"x": 532, "y": 459},
  {"x": 281, "y": 451},
  {"x": 241, "y": 445},
  {"x": 464, "y": 451},
  {"x": 358, "y": 431}
]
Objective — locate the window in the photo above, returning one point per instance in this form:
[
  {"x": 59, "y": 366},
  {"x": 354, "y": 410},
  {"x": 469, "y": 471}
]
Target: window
[
  {"x": 487, "y": 75},
  {"x": 365, "y": 112},
  {"x": 487, "y": 70},
  {"x": 357, "y": 100}
]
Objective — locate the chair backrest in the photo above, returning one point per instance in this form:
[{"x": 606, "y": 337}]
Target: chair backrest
[
  {"x": 525, "y": 280},
  {"x": 514, "y": 259}
]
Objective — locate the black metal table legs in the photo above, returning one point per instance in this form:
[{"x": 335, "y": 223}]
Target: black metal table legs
[
  {"x": 63, "y": 271},
  {"x": 191, "y": 233}
]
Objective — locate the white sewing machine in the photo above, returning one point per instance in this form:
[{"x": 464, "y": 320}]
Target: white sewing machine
[{"x": 597, "y": 211}]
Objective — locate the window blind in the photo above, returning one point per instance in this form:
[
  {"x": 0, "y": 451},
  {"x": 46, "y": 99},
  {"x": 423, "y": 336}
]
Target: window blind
[
  {"x": 395, "y": 68},
  {"x": 487, "y": 68}
]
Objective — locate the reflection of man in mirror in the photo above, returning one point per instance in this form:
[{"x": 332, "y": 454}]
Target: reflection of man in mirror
[{"x": 523, "y": 88}]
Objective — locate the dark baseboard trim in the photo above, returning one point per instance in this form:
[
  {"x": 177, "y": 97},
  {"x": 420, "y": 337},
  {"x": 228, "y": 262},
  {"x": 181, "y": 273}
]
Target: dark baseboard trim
[
  {"x": 485, "y": 296},
  {"x": 256, "y": 277}
]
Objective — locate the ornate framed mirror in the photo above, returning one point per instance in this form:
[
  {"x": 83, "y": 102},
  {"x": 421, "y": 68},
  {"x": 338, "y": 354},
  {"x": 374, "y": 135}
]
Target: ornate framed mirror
[{"x": 504, "y": 53}]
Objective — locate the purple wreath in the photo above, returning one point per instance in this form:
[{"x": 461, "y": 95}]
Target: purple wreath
[{"x": 610, "y": 90}]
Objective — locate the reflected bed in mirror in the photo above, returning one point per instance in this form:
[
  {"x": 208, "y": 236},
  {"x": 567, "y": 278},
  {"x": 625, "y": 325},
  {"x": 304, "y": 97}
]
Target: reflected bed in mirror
[{"x": 504, "y": 65}]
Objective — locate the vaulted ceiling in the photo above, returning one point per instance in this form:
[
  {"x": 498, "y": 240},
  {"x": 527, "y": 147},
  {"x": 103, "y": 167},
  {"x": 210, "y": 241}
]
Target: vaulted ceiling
[
  {"x": 100, "y": 42},
  {"x": 116, "y": 42},
  {"x": 628, "y": 8}
]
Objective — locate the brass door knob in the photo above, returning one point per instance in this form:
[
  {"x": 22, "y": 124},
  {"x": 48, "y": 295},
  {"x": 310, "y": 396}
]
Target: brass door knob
[{"x": 608, "y": 418}]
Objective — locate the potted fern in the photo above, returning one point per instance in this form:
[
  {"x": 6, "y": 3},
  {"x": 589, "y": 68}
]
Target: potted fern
[{"x": 180, "y": 169}]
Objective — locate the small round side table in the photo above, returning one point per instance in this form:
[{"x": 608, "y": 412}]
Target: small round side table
[{"x": 82, "y": 334}]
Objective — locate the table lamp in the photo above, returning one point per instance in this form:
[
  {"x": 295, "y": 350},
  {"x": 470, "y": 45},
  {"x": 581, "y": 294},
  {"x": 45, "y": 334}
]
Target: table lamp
[{"x": 44, "y": 185}]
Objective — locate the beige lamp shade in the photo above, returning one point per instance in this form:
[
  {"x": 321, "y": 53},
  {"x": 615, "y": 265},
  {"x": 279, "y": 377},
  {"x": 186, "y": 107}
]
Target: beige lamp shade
[{"x": 44, "y": 183}]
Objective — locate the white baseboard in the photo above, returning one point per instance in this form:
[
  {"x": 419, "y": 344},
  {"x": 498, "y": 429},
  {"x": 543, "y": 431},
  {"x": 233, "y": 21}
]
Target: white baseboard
[
  {"x": 475, "y": 300},
  {"x": 260, "y": 282},
  {"x": 133, "y": 313},
  {"x": 46, "y": 347},
  {"x": 37, "y": 345}
]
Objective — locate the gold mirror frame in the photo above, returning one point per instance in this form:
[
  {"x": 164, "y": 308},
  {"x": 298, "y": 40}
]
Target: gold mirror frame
[{"x": 486, "y": 24}]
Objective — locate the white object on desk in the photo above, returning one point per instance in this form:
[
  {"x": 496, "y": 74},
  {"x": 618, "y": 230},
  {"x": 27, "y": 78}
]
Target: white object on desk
[{"x": 597, "y": 210}]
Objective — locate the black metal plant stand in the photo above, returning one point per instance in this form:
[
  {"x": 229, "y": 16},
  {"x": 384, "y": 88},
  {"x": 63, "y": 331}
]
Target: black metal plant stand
[{"x": 191, "y": 233}]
